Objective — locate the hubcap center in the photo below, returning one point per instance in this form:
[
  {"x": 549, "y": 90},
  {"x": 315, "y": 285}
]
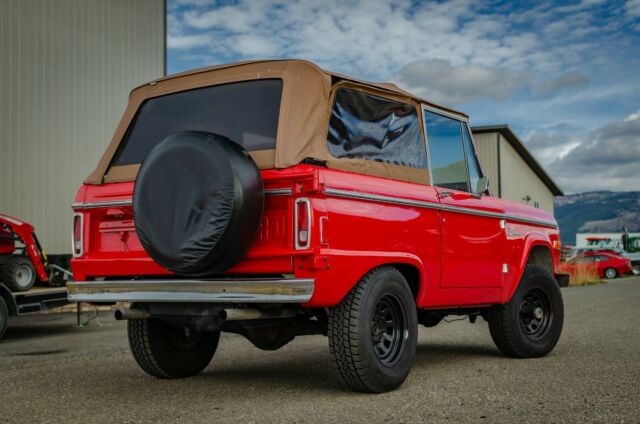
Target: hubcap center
[{"x": 538, "y": 313}]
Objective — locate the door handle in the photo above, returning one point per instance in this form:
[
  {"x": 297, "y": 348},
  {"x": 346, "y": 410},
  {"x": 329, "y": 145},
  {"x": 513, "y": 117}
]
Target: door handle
[{"x": 445, "y": 194}]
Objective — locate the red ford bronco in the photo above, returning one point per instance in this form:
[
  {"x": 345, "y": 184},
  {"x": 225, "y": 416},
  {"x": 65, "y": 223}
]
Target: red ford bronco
[{"x": 274, "y": 199}]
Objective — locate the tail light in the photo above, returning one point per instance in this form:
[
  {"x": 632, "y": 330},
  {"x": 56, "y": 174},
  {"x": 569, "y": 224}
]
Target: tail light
[
  {"x": 77, "y": 237},
  {"x": 302, "y": 219}
]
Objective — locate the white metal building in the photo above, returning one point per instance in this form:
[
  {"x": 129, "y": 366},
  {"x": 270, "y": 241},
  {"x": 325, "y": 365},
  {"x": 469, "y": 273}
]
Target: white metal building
[
  {"x": 66, "y": 71},
  {"x": 513, "y": 172}
]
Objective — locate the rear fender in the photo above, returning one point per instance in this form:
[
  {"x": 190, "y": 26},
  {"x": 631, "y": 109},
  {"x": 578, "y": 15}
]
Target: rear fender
[{"x": 346, "y": 268}]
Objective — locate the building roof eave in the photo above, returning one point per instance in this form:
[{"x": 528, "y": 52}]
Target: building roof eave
[{"x": 524, "y": 153}]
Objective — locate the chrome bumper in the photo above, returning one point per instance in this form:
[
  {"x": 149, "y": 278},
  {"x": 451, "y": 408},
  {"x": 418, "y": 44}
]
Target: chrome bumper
[{"x": 215, "y": 291}]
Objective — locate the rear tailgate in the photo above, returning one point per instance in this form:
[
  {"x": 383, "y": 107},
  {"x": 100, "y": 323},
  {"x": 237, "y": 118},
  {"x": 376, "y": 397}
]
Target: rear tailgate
[{"x": 111, "y": 247}]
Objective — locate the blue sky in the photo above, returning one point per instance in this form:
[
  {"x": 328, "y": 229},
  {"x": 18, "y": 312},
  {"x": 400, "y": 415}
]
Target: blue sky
[{"x": 563, "y": 75}]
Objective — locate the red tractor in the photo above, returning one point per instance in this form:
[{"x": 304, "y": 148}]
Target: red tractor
[{"x": 23, "y": 262}]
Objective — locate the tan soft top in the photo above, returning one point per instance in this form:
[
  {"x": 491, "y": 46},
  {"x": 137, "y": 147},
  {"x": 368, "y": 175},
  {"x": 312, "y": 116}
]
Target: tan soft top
[{"x": 305, "y": 109}]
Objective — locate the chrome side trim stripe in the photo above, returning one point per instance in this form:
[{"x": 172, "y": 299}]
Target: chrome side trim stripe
[
  {"x": 381, "y": 198},
  {"x": 129, "y": 202},
  {"x": 104, "y": 204},
  {"x": 430, "y": 205},
  {"x": 224, "y": 290}
]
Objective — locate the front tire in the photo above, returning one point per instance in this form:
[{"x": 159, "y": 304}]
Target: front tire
[
  {"x": 610, "y": 273},
  {"x": 373, "y": 332},
  {"x": 166, "y": 352},
  {"x": 530, "y": 324},
  {"x": 19, "y": 274}
]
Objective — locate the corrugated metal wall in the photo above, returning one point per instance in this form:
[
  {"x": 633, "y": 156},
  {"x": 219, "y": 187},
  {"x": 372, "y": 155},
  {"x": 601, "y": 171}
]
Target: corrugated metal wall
[{"x": 66, "y": 71}]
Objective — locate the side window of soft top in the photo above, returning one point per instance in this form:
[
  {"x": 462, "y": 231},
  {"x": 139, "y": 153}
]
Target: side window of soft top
[{"x": 372, "y": 127}]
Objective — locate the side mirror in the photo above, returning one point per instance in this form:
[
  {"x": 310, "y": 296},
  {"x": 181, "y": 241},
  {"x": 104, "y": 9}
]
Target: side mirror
[{"x": 481, "y": 187}]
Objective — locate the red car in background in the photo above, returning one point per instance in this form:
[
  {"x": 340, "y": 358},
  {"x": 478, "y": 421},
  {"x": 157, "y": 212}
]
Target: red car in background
[{"x": 603, "y": 263}]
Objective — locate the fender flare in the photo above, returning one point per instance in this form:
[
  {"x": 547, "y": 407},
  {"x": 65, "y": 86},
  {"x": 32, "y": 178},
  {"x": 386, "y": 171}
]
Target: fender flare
[{"x": 531, "y": 241}]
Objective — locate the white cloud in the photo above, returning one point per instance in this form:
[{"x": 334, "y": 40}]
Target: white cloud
[
  {"x": 606, "y": 158},
  {"x": 440, "y": 81},
  {"x": 183, "y": 42},
  {"x": 633, "y": 8}
]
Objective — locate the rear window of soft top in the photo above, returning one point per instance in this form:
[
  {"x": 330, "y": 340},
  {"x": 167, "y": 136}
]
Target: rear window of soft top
[{"x": 246, "y": 112}]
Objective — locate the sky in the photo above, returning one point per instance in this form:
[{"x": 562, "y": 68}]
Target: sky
[{"x": 565, "y": 76}]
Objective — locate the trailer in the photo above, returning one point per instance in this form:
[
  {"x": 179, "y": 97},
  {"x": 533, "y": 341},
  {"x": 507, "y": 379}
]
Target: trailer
[{"x": 28, "y": 302}]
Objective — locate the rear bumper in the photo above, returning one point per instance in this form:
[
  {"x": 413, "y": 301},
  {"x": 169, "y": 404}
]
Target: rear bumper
[{"x": 213, "y": 291}]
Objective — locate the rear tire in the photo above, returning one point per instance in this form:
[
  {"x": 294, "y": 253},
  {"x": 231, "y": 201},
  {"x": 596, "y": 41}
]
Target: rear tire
[
  {"x": 610, "y": 273},
  {"x": 373, "y": 332},
  {"x": 530, "y": 324},
  {"x": 19, "y": 274},
  {"x": 4, "y": 316},
  {"x": 166, "y": 352}
]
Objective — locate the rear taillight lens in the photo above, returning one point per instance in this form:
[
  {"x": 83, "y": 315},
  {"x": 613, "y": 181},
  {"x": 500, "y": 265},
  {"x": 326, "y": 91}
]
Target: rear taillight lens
[
  {"x": 76, "y": 239},
  {"x": 302, "y": 220}
]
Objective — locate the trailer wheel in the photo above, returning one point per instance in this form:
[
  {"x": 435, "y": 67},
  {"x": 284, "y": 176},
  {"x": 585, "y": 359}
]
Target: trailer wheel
[
  {"x": 373, "y": 332},
  {"x": 530, "y": 324},
  {"x": 19, "y": 274},
  {"x": 164, "y": 351},
  {"x": 4, "y": 316}
]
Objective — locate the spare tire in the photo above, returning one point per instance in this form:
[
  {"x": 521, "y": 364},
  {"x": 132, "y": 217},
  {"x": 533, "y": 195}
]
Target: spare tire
[{"x": 197, "y": 203}]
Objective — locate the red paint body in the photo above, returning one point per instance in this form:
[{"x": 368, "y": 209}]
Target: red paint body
[
  {"x": 12, "y": 229},
  {"x": 596, "y": 263},
  {"x": 461, "y": 259}
]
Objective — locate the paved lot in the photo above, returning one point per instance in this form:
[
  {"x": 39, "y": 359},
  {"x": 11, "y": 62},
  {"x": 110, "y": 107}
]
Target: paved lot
[{"x": 50, "y": 370}]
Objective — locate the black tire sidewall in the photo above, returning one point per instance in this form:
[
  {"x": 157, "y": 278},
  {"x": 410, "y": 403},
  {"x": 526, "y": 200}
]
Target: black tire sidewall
[
  {"x": 174, "y": 362},
  {"x": 537, "y": 278},
  {"x": 388, "y": 282},
  {"x": 4, "y": 316}
]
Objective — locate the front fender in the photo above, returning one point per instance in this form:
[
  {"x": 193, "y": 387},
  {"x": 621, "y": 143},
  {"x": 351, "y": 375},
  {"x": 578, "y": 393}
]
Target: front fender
[{"x": 531, "y": 240}]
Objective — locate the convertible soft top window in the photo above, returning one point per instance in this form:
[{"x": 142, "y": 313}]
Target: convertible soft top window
[
  {"x": 246, "y": 112},
  {"x": 365, "y": 126}
]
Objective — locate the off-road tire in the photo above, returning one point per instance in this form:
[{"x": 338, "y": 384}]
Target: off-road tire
[
  {"x": 154, "y": 349},
  {"x": 351, "y": 327},
  {"x": 508, "y": 322},
  {"x": 610, "y": 273},
  {"x": 12, "y": 271},
  {"x": 4, "y": 316}
]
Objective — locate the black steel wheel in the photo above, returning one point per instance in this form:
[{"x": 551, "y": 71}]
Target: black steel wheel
[
  {"x": 373, "y": 332},
  {"x": 388, "y": 328},
  {"x": 4, "y": 316},
  {"x": 165, "y": 351},
  {"x": 536, "y": 313},
  {"x": 530, "y": 324}
]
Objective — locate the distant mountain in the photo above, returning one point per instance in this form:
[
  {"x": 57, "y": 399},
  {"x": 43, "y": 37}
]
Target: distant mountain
[{"x": 597, "y": 212}]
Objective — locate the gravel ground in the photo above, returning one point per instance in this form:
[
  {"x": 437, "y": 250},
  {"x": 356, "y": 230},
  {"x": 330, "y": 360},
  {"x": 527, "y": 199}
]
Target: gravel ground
[{"x": 52, "y": 371}]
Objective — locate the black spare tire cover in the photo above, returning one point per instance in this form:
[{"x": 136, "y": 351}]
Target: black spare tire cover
[{"x": 197, "y": 203}]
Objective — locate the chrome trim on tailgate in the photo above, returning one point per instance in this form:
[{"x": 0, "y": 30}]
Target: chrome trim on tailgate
[
  {"x": 223, "y": 290},
  {"x": 104, "y": 204},
  {"x": 129, "y": 202}
]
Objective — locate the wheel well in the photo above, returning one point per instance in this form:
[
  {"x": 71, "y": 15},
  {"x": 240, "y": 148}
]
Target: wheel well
[
  {"x": 541, "y": 256},
  {"x": 412, "y": 275}
]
